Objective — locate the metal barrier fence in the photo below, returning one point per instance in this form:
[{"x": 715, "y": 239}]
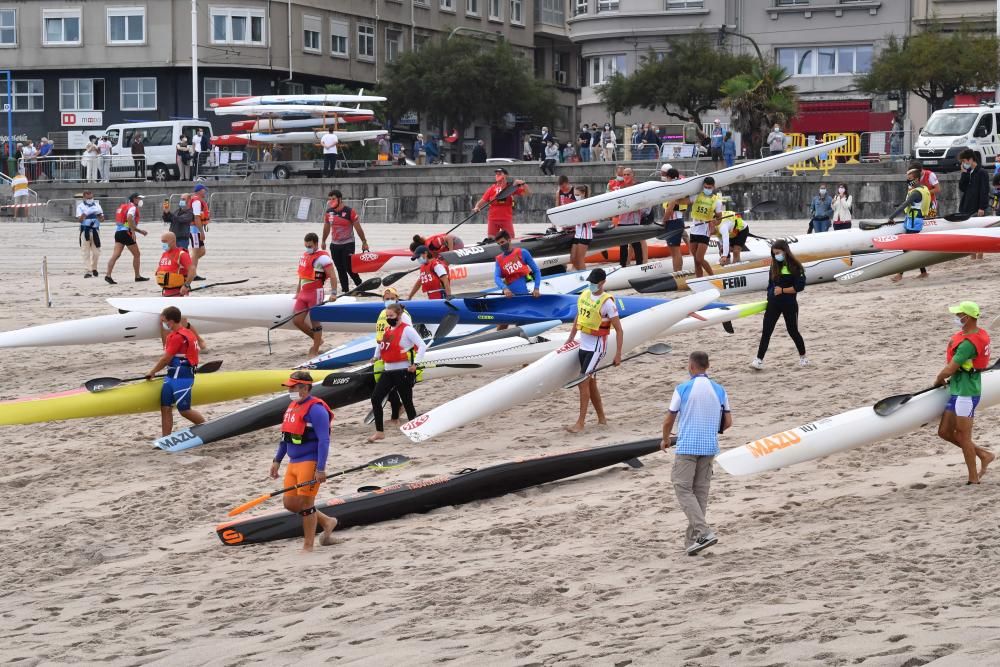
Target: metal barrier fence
[
  {"x": 209, "y": 165},
  {"x": 61, "y": 213},
  {"x": 879, "y": 146},
  {"x": 266, "y": 207},
  {"x": 218, "y": 165},
  {"x": 305, "y": 209},
  {"x": 229, "y": 206}
]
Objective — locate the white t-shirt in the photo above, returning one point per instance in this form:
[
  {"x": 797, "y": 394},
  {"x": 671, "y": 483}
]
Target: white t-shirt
[
  {"x": 588, "y": 342},
  {"x": 104, "y": 147},
  {"x": 329, "y": 142},
  {"x": 89, "y": 211}
]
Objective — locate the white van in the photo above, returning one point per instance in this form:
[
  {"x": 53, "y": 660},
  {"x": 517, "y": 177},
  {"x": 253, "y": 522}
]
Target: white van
[
  {"x": 160, "y": 139},
  {"x": 950, "y": 131}
]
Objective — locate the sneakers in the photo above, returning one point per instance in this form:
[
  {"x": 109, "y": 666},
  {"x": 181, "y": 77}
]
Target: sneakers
[
  {"x": 109, "y": 280},
  {"x": 94, "y": 273},
  {"x": 141, "y": 279},
  {"x": 703, "y": 542},
  {"x": 197, "y": 278},
  {"x": 757, "y": 364},
  {"x": 803, "y": 362},
  {"x": 87, "y": 275}
]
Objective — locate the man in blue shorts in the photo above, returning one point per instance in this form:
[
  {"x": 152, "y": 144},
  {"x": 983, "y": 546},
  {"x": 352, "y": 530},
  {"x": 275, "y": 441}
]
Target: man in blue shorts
[
  {"x": 180, "y": 358},
  {"x": 673, "y": 218}
]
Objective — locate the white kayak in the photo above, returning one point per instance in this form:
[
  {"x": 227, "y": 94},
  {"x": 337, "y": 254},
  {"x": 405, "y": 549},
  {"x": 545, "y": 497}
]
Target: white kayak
[
  {"x": 287, "y": 110},
  {"x": 900, "y": 263},
  {"x": 271, "y": 124},
  {"x": 654, "y": 193},
  {"x": 549, "y": 373},
  {"x": 839, "y": 433},
  {"x": 252, "y": 100},
  {"x": 298, "y": 137}
]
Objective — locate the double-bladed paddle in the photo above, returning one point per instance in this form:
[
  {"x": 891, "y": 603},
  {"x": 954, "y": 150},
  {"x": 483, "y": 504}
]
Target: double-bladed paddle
[
  {"x": 383, "y": 463},
  {"x": 370, "y": 284},
  {"x": 335, "y": 378},
  {"x": 103, "y": 384},
  {"x": 890, "y": 404},
  {"x": 503, "y": 194},
  {"x": 655, "y": 348},
  {"x": 231, "y": 282}
]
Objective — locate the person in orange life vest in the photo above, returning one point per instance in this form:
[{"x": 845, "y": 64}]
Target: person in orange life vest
[
  {"x": 180, "y": 358},
  {"x": 199, "y": 225},
  {"x": 583, "y": 233},
  {"x": 305, "y": 437},
  {"x": 433, "y": 277},
  {"x": 596, "y": 316},
  {"x": 315, "y": 268},
  {"x": 389, "y": 297},
  {"x": 513, "y": 267},
  {"x": 501, "y": 213},
  {"x": 339, "y": 225},
  {"x": 968, "y": 355},
  {"x": 437, "y": 243},
  {"x": 400, "y": 349},
  {"x": 173, "y": 274},
  {"x": 126, "y": 225}
]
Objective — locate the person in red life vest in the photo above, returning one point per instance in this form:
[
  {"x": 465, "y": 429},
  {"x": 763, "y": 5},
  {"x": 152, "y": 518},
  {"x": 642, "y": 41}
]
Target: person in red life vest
[
  {"x": 513, "y": 268},
  {"x": 180, "y": 358},
  {"x": 315, "y": 268},
  {"x": 173, "y": 274},
  {"x": 968, "y": 355},
  {"x": 199, "y": 225},
  {"x": 501, "y": 213},
  {"x": 126, "y": 226},
  {"x": 400, "y": 350},
  {"x": 305, "y": 438},
  {"x": 437, "y": 243},
  {"x": 339, "y": 225},
  {"x": 564, "y": 191},
  {"x": 433, "y": 277}
]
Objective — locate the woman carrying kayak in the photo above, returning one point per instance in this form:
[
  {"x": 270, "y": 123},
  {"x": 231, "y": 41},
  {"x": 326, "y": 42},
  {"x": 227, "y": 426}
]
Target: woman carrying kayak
[
  {"x": 389, "y": 297},
  {"x": 400, "y": 349},
  {"x": 787, "y": 279},
  {"x": 583, "y": 233}
]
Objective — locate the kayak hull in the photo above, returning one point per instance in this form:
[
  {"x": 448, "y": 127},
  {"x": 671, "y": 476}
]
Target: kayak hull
[
  {"x": 962, "y": 241},
  {"x": 248, "y": 100}
]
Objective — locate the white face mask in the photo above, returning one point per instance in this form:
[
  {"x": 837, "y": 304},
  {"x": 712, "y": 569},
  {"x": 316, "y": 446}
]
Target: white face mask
[
  {"x": 707, "y": 191},
  {"x": 389, "y": 302},
  {"x": 841, "y": 190},
  {"x": 958, "y": 322},
  {"x": 165, "y": 325},
  {"x": 822, "y": 192},
  {"x": 293, "y": 395},
  {"x": 139, "y": 204}
]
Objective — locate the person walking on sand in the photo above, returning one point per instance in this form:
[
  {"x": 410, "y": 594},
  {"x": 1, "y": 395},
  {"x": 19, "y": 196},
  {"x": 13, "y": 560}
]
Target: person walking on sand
[
  {"x": 315, "y": 268},
  {"x": 180, "y": 358},
  {"x": 389, "y": 297},
  {"x": 501, "y": 212},
  {"x": 968, "y": 355},
  {"x": 305, "y": 438},
  {"x": 173, "y": 274},
  {"x": 700, "y": 408},
  {"x": 126, "y": 226},
  {"x": 340, "y": 224},
  {"x": 583, "y": 233},
  {"x": 90, "y": 216},
  {"x": 787, "y": 278},
  {"x": 400, "y": 349},
  {"x": 596, "y": 316}
]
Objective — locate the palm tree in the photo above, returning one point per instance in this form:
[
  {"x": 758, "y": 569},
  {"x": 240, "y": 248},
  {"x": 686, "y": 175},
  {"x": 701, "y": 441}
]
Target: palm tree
[{"x": 759, "y": 99}]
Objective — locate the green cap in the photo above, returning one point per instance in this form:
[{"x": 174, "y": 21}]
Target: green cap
[{"x": 970, "y": 308}]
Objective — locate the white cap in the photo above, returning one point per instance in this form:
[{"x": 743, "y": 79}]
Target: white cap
[
  {"x": 716, "y": 121},
  {"x": 666, "y": 166}
]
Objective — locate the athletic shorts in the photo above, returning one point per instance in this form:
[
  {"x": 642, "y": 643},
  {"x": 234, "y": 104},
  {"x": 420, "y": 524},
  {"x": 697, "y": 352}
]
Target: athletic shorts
[
  {"x": 303, "y": 471},
  {"x": 307, "y": 298},
  {"x": 177, "y": 391},
  {"x": 698, "y": 238},
  {"x": 196, "y": 239},
  {"x": 493, "y": 226},
  {"x": 184, "y": 243},
  {"x": 583, "y": 242},
  {"x": 125, "y": 238},
  {"x": 591, "y": 359},
  {"x": 741, "y": 238},
  {"x": 963, "y": 406},
  {"x": 677, "y": 227},
  {"x": 717, "y": 153}
]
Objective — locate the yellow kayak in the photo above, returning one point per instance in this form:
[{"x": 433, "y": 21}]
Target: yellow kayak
[{"x": 141, "y": 397}]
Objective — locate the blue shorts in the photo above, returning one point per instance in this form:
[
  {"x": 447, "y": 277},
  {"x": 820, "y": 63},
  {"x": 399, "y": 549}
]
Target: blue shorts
[
  {"x": 177, "y": 391},
  {"x": 677, "y": 227},
  {"x": 963, "y": 406}
]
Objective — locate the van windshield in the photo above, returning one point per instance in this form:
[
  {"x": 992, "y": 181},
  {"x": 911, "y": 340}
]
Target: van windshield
[{"x": 949, "y": 124}]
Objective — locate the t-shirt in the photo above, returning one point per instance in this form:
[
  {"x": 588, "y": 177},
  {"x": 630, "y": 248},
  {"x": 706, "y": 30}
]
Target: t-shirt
[
  {"x": 588, "y": 342},
  {"x": 90, "y": 213},
  {"x": 104, "y": 147},
  {"x": 329, "y": 142},
  {"x": 20, "y": 185},
  {"x": 700, "y": 403},
  {"x": 965, "y": 383}
]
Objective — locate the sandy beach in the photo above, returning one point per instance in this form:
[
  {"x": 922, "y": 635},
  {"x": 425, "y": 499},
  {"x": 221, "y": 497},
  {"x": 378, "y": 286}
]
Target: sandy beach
[{"x": 879, "y": 556}]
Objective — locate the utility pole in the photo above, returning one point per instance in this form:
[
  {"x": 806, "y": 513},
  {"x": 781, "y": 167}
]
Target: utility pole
[{"x": 194, "y": 58}]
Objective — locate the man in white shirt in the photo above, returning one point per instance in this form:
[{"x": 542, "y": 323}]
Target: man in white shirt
[
  {"x": 90, "y": 215},
  {"x": 104, "y": 159},
  {"x": 329, "y": 141}
]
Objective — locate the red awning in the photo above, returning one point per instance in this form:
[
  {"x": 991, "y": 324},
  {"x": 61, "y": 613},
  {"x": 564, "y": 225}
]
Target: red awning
[{"x": 818, "y": 118}]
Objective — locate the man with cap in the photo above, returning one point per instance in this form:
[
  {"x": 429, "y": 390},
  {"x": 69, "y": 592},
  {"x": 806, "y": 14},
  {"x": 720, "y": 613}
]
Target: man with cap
[
  {"x": 433, "y": 277},
  {"x": 596, "y": 316},
  {"x": 305, "y": 438},
  {"x": 126, "y": 225},
  {"x": 501, "y": 213},
  {"x": 968, "y": 355},
  {"x": 180, "y": 358},
  {"x": 513, "y": 268},
  {"x": 199, "y": 225},
  {"x": 673, "y": 218}
]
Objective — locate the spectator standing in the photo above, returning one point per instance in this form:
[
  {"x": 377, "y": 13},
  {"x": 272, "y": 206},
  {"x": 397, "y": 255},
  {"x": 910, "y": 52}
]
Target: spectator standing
[
  {"x": 526, "y": 150},
  {"x": 90, "y": 215},
  {"x": 776, "y": 141},
  {"x": 479, "y": 153},
  {"x": 89, "y": 160},
  {"x": 551, "y": 157},
  {"x": 29, "y": 157},
  {"x": 596, "y": 148},
  {"x": 329, "y": 142},
  {"x": 183, "y": 149},
  {"x": 974, "y": 186},
  {"x": 19, "y": 186},
  {"x": 180, "y": 221},
  {"x": 717, "y": 137},
  {"x": 420, "y": 154},
  {"x": 609, "y": 142},
  {"x": 198, "y": 145},
  {"x": 821, "y": 210},
  {"x": 138, "y": 150},
  {"x": 843, "y": 202},
  {"x": 433, "y": 150},
  {"x": 546, "y": 135},
  {"x": 583, "y": 144},
  {"x": 104, "y": 158},
  {"x": 45, "y": 157},
  {"x": 636, "y": 142},
  {"x": 651, "y": 137},
  {"x": 729, "y": 149}
]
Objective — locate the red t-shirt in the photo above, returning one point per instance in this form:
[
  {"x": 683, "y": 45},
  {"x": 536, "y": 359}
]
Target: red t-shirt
[{"x": 502, "y": 210}]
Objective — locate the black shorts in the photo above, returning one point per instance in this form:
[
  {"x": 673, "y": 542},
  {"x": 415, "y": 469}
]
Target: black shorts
[
  {"x": 741, "y": 238},
  {"x": 697, "y": 238},
  {"x": 676, "y": 226},
  {"x": 125, "y": 238},
  {"x": 717, "y": 154},
  {"x": 583, "y": 242}
]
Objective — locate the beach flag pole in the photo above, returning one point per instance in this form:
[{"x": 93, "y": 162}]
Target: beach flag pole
[{"x": 45, "y": 281}]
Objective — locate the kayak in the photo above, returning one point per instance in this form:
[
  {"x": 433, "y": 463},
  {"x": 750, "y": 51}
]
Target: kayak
[
  {"x": 271, "y": 124},
  {"x": 653, "y": 250},
  {"x": 287, "y": 110},
  {"x": 549, "y": 373},
  {"x": 246, "y": 100},
  {"x": 426, "y": 494},
  {"x": 138, "y": 397},
  {"x": 898, "y": 263},
  {"x": 370, "y": 262},
  {"x": 293, "y": 137},
  {"x": 840, "y": 433},
  {"x": 963, "y": 241},
  {"x": 654, "y": 193}
]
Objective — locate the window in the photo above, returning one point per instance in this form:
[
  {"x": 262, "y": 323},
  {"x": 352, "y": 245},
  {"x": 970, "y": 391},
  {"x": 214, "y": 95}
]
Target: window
[
  {"x": 472, "y": 7},
  {"x": 607, "y": 6},
  {"x": 28, "y": 94},
  {"x": 366, "y": 41},
  {"x": 448, "y": 5},
  {"x": 126, "y": 25},
  {"x": 420, "y": 41},
  {"x": 552, "y": 12},
  {"x": 496, "y": 10},
  {"x": 8, "y": 27},
  {"x": 517, "y": 11},
  {"x": 81, "y": 94},
  {"x": 61, "y": 27},
  {"x": 311, "y": 29},
  {"x": 138, "y": 94},
  {"x": 581, "y": 7},
  {"x": 789, "y": 3},
  {"x": 685, "y": 4},
  {"x": 602, "y": 67},
  {"x": 826, "y": 60},
  {"x": 238, "y": 26},
  {"x": 225, "y": 88},
  {"x": 339, "y": 30},
  {"x": 293, "y": 88},
  {"x": 393, "y": 44}
]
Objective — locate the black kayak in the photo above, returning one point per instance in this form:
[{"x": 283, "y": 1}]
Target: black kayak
[{"x": 392, "y": 502}]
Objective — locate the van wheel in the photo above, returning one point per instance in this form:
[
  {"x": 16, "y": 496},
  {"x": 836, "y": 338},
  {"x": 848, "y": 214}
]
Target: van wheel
[
  {"x": 281, "y": 172},
  {"x": 161, "y": 173}
]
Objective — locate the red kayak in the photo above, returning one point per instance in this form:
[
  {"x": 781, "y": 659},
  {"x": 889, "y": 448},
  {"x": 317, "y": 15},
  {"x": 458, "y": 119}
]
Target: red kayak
[
  {"x": 959, "y": 241},
  {"x": 269, "y": 125},
  {"x": 370, "y": 262},
  {"x": 656, "y": 251}
]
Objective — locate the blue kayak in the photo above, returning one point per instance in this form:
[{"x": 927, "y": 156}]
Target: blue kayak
[{"x": 489, "y": 310}]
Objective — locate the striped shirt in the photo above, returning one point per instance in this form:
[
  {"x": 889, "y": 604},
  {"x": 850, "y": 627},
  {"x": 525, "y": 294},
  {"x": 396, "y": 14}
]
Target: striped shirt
[{"x": 701, "y": 404}]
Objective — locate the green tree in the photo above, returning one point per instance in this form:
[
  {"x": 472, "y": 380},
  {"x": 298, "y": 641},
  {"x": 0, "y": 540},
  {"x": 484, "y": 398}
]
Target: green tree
[
  {"x": 615, "y": 95},
  {"x": 757, "y": 99},
  {"x": 686, "y": 82},
  {"x": 935, "y": 65}
]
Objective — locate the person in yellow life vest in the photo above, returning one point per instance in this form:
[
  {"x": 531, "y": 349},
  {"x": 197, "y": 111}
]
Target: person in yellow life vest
[
  {"x": 315, "y": 268},
  {"x": 706, "y": 213},
  {"x": 401, "y": 348},
  {"x": 389, "y": 297},
  {"x": 968, "y": 355},
  {"x": 673, "y": 218},
  {"x": 916, "y": 207},
  {"x": 305, "y": 438},
  {"x": 596, "y": 316},
  {"x": 733, "y": 232},
  {"x": 173, "y": 274}
]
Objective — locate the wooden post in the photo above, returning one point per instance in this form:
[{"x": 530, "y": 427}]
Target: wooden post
[{"x": 45, "y": 281}]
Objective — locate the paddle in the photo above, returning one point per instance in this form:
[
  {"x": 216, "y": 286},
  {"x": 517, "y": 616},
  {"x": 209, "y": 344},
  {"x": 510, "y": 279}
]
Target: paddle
[
  {"x": 231, "y": 282},
  {"x": 951, "y": 217},
  {"x": 103, "y": 384},
  {"x": 446, "y": 326},
  {"x": 331, "y": 379},
  {"x": 503, "y": 194},
  {"x": 370, "y": 284},
  {"x": 655, "y": 348},
  {"x": 383, "y": 463},
  {"x": 890, "y": 404}
]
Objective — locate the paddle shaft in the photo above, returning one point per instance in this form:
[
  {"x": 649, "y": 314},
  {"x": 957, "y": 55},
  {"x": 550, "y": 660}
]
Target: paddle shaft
[
  {"x": 110, "y": 383},
  {"x": 231, "y": 282},
  {"x": 500, "y": 195}
]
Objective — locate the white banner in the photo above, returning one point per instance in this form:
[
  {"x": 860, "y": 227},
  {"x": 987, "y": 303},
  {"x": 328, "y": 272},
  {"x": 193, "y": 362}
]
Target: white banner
[{"x": 82, "y": 119}]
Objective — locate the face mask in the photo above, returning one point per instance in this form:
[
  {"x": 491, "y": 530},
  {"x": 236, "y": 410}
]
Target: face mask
[
  {"x": 392, "y": 321},
  {"x": 88, "y": 202},
  {"x": 389, "y": 302},
  {"x": 841, "y": 190},
  {"x": 166, "y": 246},
  {"x": 139, "y": 204},
  {"x": 779, "y": 257},
  {"x": 165, "y": 325},
  {"x": 183, "y": 204},
  {"x": 293, "y": 395},
  {"x": 912, "y": 184},
  {"x": 422, "y": 260},
  {"x": 619, "y": 178},
  {"x": 777, "y": 129},
  {"x": 958, "y": 322},
  {"x": 309, "y": 249},
  {"x": 594, "y": 287},
  {"x": 966, "y": 166},
  {"x": 822, "y": 192},
  {"x": 707, "y": 191}
]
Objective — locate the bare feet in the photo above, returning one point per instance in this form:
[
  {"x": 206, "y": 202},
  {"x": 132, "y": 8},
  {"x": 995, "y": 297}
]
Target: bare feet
[
  {"x": 326, "y": 539},
  {"x": 575, "y": 428},
  {"x": 376, "y": 436},
  {"x": 393, "y": 422},
  {"x": 923, "y": 275},
  {"x": 896, "y": 278},
  {"x": 985, "y": 461},
  {"x": 314, "y": 350}
]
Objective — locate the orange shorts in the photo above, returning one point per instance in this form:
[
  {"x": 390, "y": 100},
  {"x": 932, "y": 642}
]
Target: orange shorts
[{"x": 303, "y": 471}]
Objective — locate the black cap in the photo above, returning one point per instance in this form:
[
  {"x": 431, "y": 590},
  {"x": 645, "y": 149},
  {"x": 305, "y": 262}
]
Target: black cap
[
  {"x": 501, "y": 170},
  {"x": 597, "y": 276},
  {"x": 419, "y": 252},
  {"x": 134, "y": 195}
]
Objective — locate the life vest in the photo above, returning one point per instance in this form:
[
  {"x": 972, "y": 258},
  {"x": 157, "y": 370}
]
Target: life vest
[
  {"x": 341, "y": 224},
  {"x": 205, "y": 213},
  {"x": 981, "y": 340},
  {"x": 170, "y": 273},
  {"x": 390, "y": 348},
  {"x": 738, "y": 224},
  {"x": 189, "y": 355},
  {"x": 430, "y": 282},
  {"x": 925, "y": 180},
  {"x": 680, "y": 205},
  {"x": 295, "y": 427},
  {"x": 915, "y": 216},
  {"x": 436, "y": 243},
  {"x": 382, "y": 323},
  {"x": 308, "y": 273},
  {"x": 588, "y": 314},
  {"x": 121, "y": 217},
  {"x": 566, "y": 197},
  {"x": 513, "y": 267},
  {"x": 703, "y": 208}
]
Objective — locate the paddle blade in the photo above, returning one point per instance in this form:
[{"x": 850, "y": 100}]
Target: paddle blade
[
  {"x": 393, "y": 277},
  {"x": 101, "y": 384},
  {"x": 767, "y": 206},
  {"x": 957, "y": 217},
  {"x": 370, "y": 418},
  {"x": 370, "y": 284},
  {"x": 210, "y": 367},
  {"x": 447, "y": 325},
  {"x": 658, "y": 348},
  {"x": 728, "y": 327},
  {"x": 388, "y": 462},
  {"x": 576, "y": 382},
  {"x": 248, "y": 505},
  {"x": 890, "y": 404}
]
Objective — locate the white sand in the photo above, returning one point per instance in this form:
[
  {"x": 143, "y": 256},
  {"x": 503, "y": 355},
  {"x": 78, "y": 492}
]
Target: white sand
[{"x": 880, "y": 556}]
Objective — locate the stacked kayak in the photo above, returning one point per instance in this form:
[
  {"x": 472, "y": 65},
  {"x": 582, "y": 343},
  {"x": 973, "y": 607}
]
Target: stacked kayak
[{"x": 959, "y": 240}]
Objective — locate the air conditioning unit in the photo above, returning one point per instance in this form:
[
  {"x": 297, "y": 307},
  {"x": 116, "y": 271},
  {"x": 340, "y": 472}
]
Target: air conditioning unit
[{"x": 561, "y": 77}]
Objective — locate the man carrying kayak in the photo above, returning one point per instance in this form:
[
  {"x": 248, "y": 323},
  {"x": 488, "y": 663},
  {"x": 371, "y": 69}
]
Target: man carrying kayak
[
  {"x": 501, "y": 213},
  {"x": 513, "y": 268},
  {"x": 673, "y": 218},
  {"x": 968, "y": 355},
  {"x": 173, "y": 274},
  {"x": 400, "y": 349},
  {"x": 315, "y": 268},
  {"x": 596, "y": 316},
  {"x": 433, "y": 277},
  {"x": 305, "y": 437},
  {"x": 180, "y": 358}
]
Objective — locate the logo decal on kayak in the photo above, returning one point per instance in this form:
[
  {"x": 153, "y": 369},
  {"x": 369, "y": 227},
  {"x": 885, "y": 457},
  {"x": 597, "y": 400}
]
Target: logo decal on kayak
[
  {"x": 368, "y": 256},
  {"x": 852, "y": 274},
  {"x": 773, "y": 443},
  {"x": 572, "y": 345},
  {"x": 170, "y": 442},
  {"x": 230, "y": 536},
  {"x": 730, "y": 283},
  {"x": 336, "y": 381},
  {"x": 471, "y": 250},
  {"x": 485, "y": 317},
  {"x": 416, "y": 423},
  {"x": 458, "y": 273},
  {"x": 886, "y": 239}
]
